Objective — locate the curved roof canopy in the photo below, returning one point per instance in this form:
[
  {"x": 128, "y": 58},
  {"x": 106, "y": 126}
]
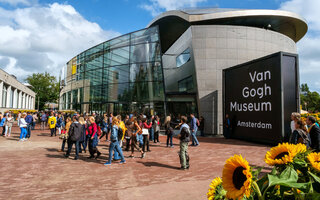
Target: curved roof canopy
[{"x": 173, "y": 24}]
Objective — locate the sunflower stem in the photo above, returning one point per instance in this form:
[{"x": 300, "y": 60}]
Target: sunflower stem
[{"x": 257, "y": 189}]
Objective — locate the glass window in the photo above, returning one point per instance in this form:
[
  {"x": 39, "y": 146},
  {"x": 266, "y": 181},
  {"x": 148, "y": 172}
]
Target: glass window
[
  {"x": 117, "y": 56},
  {"x": 183, "y": 58},
  {"x": 145, "y": 36},
  {"x": 95, "y": 76},
  {"x": 116, "y": 74},
  {"x": 145, "y": 53},
  {"x": 145, "y": 72},
  {"x": 118, "y": 42},
  {"x": 186, "y": 84}
]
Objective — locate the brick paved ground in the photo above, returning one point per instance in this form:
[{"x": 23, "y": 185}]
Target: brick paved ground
[{"x": 36, "y": 170}]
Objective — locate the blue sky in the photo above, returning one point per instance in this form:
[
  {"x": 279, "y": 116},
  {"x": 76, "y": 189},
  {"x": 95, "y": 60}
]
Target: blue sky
[{"x": 42, "y": 35}]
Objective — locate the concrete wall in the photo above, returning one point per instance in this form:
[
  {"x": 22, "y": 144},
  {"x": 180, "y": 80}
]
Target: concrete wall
[{"x": 216, "y": 47}]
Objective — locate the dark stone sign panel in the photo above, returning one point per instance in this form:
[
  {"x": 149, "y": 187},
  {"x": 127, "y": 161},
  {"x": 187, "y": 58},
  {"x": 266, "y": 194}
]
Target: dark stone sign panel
[{"x": 259, "y": 97}]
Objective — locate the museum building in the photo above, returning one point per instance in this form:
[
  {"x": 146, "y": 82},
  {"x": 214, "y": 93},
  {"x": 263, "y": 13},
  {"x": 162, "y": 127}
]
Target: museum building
[{"x": 174, "y": 66}]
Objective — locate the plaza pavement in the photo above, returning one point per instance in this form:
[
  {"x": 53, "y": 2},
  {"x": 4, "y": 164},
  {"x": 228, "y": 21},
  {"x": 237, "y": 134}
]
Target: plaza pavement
[{"x": 34, "y": 169}]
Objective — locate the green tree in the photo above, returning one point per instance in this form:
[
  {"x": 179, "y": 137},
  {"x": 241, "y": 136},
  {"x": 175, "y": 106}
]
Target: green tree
[
  {"x": 310, "y": 101},
  {"x": 46, "y": 88}
]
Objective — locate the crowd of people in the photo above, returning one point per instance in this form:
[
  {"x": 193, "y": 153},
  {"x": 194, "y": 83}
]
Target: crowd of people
[
  {"x": 307, "y": 132},
  {"x": 123, "y": 133}
]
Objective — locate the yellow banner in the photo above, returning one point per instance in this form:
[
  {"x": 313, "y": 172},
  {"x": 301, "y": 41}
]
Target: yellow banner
[{"x": 74, "y": 69}]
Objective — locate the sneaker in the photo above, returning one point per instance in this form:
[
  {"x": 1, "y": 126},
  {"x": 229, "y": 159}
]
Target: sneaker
[
  {"x": 65, "y": 155},
  {"x": 75, "y": 158},
  {"x": 143, "y": 155},
  {"x": 107, "y": 164},
  {"x": 123, "y": 162},
  {"x": 25, "y": 139},
  {"x": 131, "y": 156},
  {"x": 197, "y": 145},
  {"x": 21, "y": 140},
  {"x": 171, "y": 146}
]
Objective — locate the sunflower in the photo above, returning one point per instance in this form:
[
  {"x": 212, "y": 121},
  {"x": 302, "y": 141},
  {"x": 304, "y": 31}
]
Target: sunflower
[
  {"x": 237, "y": 177},
  {"x": 213, "y": 187},
  {"x": 314, "y": 159},
  {"x": 283, "y": 153}
]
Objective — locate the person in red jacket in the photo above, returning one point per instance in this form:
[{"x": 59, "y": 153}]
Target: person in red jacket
[
  {"x": 93, "y": 138},
  {"x": 145, "y": 132}
]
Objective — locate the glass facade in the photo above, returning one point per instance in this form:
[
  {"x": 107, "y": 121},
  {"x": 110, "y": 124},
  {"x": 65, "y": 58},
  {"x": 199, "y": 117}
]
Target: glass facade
[
  {"x": 183, "y": 58},
  {"x": 121, "y": 75}
]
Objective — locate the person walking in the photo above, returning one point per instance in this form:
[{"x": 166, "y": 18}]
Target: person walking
[
  {"x": 184, "y": 140},
  {"x": 151, "y": 129},
  {"x": 169, "y": 131},
  {"x": 9, "y": 123},
  {"x": 29, "y": 120},
  {"x": 23, "y": 127},
  {"x": 156, "y": 128},
  {"x": 83, "y": 139},
  {"x": 59, "y": 123},
  {"x": 145, "y": 133},
  {"x": 314, "y": 132},
  {"x": 52, "y": 124},
  {"x": 123, "y": 129},
  {"x": 34, "y": 120},
  {"x": 65, "y": 136},
  {"x": 3, "y": 124},
  {"x": 75, "y": 133},
  {"x": 93, "y": 138},
  {"x": 133, "y": 130},
  {"x": 194, "y": 129},
  {"x": 114, "y": 144},
  {"x": 201, "y": 127},
  {"x": 104, "y": 127},
  {"x": 43, "y": 120}
]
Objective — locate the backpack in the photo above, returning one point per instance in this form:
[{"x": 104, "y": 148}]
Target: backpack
[
  {"x": 75, "y": 132},
  {"x": 120, "y": 134},
  {"x": 99, "y": 131},
  {"x": 198, "y": 123}
]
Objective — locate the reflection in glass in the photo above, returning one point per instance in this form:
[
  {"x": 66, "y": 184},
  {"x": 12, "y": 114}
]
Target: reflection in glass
[{"x": 183, "y": 58}]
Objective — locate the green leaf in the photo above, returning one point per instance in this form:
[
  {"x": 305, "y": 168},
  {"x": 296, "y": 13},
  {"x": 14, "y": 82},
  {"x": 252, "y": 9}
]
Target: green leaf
[{"x": 315, "y": 177}]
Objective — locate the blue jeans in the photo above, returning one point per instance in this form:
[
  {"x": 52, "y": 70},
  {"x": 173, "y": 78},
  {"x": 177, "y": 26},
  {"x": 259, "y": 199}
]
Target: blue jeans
[
  {"x": 33, "y": 124},
  {"x": 116, "y": 154},
  {"x": 29, "y": 130},
  {"x": 194, "y": 137},
  {"x": 70, "y": 144},
  {"x": 140, "y": 139},
  {"x": 23, "y": 133},
  {"x": 114, "y": 146},
  {"x": 151, "y": 134},
  {"x": 169, "y": 138}
]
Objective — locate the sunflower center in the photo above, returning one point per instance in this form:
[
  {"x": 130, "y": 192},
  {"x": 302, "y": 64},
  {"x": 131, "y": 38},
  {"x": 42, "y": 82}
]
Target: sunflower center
[
  {"x": 281, "y": 155},
  {"x": 238, "y": 177}
]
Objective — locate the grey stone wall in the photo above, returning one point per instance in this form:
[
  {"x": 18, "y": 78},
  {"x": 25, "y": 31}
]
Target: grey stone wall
[{"x": 216, "y": 47}]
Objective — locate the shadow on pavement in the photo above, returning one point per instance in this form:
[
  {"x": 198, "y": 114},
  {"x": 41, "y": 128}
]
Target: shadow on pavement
[
  {"x": 156, "y": 164},
  {"x": 222, "y": 140}
]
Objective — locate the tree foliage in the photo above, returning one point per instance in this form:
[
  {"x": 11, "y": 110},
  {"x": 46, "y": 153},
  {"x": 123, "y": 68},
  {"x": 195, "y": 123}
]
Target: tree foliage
[
  {"x": 46, "y": 88},
  {"x": 310, "y": 101}
]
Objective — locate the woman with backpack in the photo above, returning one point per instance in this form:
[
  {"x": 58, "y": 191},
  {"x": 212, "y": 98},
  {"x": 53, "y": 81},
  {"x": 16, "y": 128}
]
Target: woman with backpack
[
  {"x": 114, "y": 144},
  {"x": 93, "y": 138},
  {"x": 300, "y": 134}
]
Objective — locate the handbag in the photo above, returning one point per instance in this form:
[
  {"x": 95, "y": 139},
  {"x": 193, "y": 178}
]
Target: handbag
[{"x": 145, "y": 131}]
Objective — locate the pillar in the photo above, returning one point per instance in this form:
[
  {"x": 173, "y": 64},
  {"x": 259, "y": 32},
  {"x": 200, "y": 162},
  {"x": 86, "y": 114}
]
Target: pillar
[
  {"x": 20, "y": 100},
  {"x": 8, "y": 97},
  {"x": 1, "y": 88},
  {"x": 15, "y": 98}
]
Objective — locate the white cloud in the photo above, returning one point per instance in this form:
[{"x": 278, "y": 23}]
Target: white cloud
[
  {"x": 155, "y": 7},
  {"x": 21, "y": 2},
  {"x": 308, "y": 47},
  {"x": 43, "y": 38}
]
